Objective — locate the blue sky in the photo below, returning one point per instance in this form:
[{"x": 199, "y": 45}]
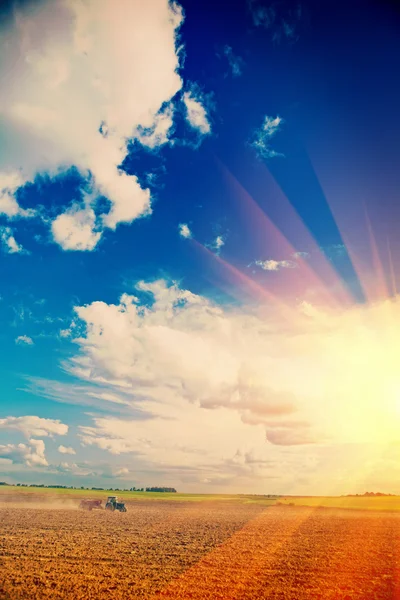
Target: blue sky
[{"x": 198, "y": 229}]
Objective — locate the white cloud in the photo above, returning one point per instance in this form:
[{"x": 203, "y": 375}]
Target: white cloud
[
  {"x": 235, "y": 62},
  {"x": 73, "y": 393},
  {"x": 82, "y": 79},
  {"x": 24, "y": 340},
  {"x": 74, "y": 469},
  {"x": 171, "y": 325},
  {"x": 31, "y": 425},
  {"x": 65, "y": 333},
  {"x": 66, "y": 450},
  {"x": 236, "y": 396},
  {"x": 32, "y": 454},
  {"x": 66, "y": 467},
  {"x": 97, "y": 470},
  {"x": 121, "y": 472},
  {"x": 196, "y": 114},
  {"x": 74, "y": 229},
  {"x": 275, "y": 265},
  {"x": 271, "y": 125},
  {"x": 184, "y": 363},
  {"x": 263, "y": 135},
  {"x": 10, "y": 181},
  {"x": 184, "y": 231},
  {"x": 10, "y": 245},
  {"x": 159, "y": 133},
  {"x": 174, "y": 349},
  {"x": 191, "y": 444},
  {"x": 217, "y": 244}
]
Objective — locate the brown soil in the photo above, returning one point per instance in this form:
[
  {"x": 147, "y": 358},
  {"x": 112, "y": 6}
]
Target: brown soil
[
  {"x": 80, "y": 554},
  {"x": 199, "y": 551}
]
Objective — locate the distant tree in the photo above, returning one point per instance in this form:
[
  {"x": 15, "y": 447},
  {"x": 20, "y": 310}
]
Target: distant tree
[{"x": 161, "y": 489}]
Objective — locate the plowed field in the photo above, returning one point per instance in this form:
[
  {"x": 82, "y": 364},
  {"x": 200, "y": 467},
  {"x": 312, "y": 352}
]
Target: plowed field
[{"x": 199, "y": 550}]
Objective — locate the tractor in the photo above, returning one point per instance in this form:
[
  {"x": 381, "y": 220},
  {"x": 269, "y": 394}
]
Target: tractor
[{"x": 113, "y": 504}]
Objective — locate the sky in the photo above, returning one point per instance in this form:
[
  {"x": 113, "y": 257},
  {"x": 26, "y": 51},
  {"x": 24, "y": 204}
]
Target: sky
[{"x": 199, "y": 250}]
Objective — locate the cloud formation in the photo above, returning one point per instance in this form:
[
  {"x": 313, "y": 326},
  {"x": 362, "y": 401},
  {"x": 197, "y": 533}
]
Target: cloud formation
[
  {"x": 9, "y": 243},
  {"x": 179, "y": 453},
  {"x": 75, "y": 90},
  {"x": 31, "y": 425},
  {"x": 160, "y": 345},
  {"x": 74, "y": 229},
  {"x": 217, "y": 244},
  {"x": 32, "y": 454},
  {"x": 275, "y": 265},
  {"x": 184, "y": 231},
  {"x": 10, "y": 181},
  {"x": 166, "y": 349},
  {"x": 262, "y": 137},
  {"x": 66, "y": 450},
  {"x": 160, "y": 131},
  {"x": 24, "y": 340},
  {"x": 196, "y": 113},
  {"x": 199, "y": 393},
  {"x": 178, "y": 362}
]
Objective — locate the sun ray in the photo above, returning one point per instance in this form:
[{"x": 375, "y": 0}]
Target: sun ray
[
  {"x": 380, "y": 289},
  {"x": 391, "y": 269},
  {"x": 370, "y": 271},
  {"x": 323, "y": 279},
  {"x": 240, "y": 282},
  {"x": 323, "y": 267}
]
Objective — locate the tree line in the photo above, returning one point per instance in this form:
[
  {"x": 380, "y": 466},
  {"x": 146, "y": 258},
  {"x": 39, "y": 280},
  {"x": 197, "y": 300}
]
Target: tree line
[{"x": 169, "y": 490}]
